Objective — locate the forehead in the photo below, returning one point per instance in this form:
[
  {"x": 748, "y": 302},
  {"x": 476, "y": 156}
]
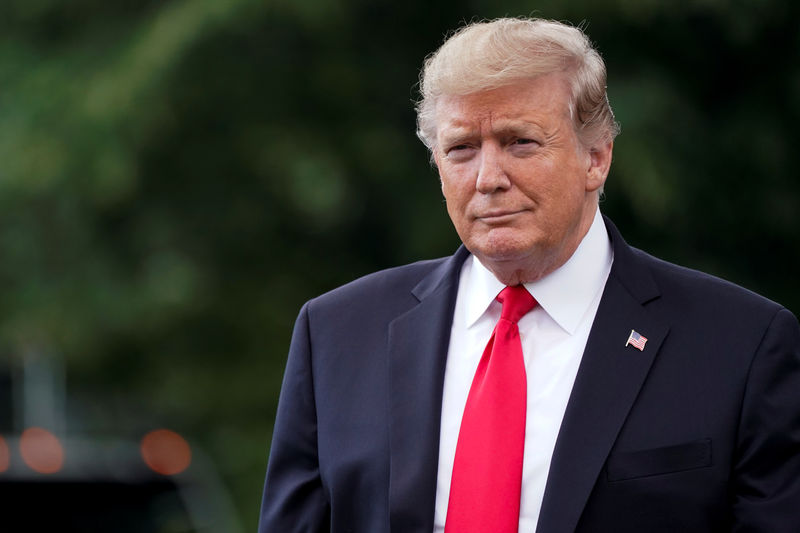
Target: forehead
[{"x": 543, "y": 100}]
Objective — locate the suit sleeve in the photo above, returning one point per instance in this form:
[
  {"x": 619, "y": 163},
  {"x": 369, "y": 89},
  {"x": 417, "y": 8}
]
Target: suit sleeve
[
  {"x": 766, "y": 480},
  {"x": 294, "y": 499}
]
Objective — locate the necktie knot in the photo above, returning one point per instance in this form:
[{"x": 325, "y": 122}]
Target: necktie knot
[{"x": 517, "y": 302}]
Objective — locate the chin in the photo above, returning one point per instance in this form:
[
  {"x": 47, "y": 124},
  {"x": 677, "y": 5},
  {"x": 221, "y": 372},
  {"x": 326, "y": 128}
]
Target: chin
[
  {"x": 504, "y": 246},
  {"x": 513, "y": 259},
  {"x": 504, "y": 254}
]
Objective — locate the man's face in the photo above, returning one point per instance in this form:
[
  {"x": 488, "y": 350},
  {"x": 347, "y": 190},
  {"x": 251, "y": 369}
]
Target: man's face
[{"x": 520, "y": 189}]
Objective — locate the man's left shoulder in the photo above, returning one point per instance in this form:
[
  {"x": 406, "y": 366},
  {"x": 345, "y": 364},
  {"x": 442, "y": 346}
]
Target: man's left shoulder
[{"x": 694, "y": 289}]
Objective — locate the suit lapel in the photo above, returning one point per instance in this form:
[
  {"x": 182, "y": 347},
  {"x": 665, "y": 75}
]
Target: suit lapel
[
  {"x": 418, "y": 342},
  {"x": 606, "y": 386}
]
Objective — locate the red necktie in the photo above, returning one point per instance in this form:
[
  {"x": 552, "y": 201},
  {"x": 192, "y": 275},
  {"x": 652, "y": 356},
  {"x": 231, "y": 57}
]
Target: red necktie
[{"x": 487, "y": 473}]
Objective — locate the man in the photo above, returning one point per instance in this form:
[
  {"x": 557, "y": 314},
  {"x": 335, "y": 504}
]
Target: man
[{"x": 547, "y": 377}]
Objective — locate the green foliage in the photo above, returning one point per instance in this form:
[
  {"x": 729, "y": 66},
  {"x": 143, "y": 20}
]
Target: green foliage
[{"x": 176, "y": 178}]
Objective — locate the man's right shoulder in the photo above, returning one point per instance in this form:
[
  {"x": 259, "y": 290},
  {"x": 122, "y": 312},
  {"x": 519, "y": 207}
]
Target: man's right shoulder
[{"x": 394, "y": 282}]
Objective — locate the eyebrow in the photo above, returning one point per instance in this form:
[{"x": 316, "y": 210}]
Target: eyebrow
[{"x": 456, "y": 134}]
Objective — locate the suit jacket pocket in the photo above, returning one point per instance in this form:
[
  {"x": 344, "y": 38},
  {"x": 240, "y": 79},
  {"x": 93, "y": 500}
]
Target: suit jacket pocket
[{"x": 630, "y": 465}]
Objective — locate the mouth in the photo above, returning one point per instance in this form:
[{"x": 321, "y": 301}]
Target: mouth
[{"x": 499, "y": 217}]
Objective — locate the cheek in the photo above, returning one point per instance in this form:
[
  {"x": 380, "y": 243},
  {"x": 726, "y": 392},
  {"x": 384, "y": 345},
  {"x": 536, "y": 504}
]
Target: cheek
[
  {"x": 552, "y": 182},
  {"x": 457, "y": 191},
  {"x": 455, "y": 203}
]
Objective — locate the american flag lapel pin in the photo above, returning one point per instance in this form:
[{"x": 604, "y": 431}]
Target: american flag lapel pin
[{"x": 636, "y": 340}]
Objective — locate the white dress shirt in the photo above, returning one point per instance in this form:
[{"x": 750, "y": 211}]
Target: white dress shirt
[{"x": 553, "y": 338}]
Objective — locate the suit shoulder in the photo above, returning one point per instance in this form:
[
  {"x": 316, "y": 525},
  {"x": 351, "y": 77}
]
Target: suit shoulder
[
  {"x": 679, "y": 281},
  {"x": 388, "y": 283}
]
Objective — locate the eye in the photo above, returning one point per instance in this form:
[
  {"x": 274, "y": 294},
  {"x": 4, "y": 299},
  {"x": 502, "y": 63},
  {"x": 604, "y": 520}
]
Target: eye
[
  {"x": 459, "y": 152},
  {"x": 523, "y": 146},
  {"x": 457, "y": 147}
]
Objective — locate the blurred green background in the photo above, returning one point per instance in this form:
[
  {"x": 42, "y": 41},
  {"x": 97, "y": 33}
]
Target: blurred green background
[{"x": 178, "y": 177}]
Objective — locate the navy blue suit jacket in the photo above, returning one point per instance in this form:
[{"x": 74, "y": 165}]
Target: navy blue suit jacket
[{"x": 699, "y": 432}]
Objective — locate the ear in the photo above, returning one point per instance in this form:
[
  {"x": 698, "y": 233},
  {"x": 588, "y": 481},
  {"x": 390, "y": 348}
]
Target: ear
[{"x": 599, "y": 164}]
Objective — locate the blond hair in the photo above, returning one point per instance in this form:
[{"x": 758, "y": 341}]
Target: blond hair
[{"x": 487, "y": 55}]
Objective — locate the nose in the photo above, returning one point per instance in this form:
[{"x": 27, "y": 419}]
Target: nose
[{"x": 492, "y": 176}]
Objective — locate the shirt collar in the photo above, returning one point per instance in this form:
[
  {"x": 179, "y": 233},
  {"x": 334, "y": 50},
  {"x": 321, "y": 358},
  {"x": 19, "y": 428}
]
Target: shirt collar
[{"x": 565, "y": 294}]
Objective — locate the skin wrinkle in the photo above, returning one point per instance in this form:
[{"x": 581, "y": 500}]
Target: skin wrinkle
[{"x": 520, "y": 187}]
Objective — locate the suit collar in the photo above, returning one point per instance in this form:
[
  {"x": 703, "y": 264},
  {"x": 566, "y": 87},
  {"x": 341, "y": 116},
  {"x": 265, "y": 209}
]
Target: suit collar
[
  {"x": 608, "y": 381},
  {"x": 442, "y": 276},
  {"x": 629, "y": 268}
]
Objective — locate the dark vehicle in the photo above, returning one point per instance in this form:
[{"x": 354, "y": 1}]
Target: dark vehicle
[{"x": 159, "y": 484}]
